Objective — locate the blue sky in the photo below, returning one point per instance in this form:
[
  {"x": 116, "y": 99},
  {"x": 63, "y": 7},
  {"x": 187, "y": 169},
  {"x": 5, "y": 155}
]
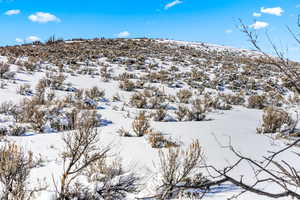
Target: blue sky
[{"x": 212, "y": 21}]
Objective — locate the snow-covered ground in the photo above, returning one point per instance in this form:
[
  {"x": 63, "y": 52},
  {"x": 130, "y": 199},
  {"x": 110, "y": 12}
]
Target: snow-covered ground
[{"x": 236, "y": 126}]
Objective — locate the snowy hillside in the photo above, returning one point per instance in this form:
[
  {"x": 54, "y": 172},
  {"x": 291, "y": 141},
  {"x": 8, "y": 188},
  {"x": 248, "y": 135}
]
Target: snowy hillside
[{"x": 181, "y": 92}]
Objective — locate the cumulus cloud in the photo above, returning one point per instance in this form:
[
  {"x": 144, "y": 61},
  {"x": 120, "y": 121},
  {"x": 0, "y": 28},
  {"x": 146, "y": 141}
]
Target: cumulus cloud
[
  {"x": 33, "y": 39},
  {"x": 42, "y": 17},
  {"x": 272, "y": 11},
  {"x": 123, "y": 34},
  {"x": 19, "y": 40},
  {"x": 173, "y": 3},
  {"x": 12, "y": 12},
  {"x": 259, "y": 25},
  {"x": 255, "y": 14}
]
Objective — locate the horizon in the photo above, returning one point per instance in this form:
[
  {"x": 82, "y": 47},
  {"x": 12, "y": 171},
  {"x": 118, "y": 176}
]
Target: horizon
[{"x": 213, "y": 22}]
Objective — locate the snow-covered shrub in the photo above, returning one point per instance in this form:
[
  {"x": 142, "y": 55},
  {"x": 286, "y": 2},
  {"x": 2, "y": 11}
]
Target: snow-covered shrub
[
  {"x": 17, "y": 130},
  {"x": 277, "y": 120},
  {"x": 233, "y": 99},
  {"x": 81, "y": 150},
  {"x": 4, "y": 68},
  {"x": 141, "y": 125},
  {"x": 181, "y": 113},
  {"x": 79, "y": 94},
  {"x": 6, "y": 107},
  {"x": 197, "y": 113},
  {"x": 105, "y": 73},
  {"x": 55, "y": 81},
  {"x": 14, "y": 173},
  {"x": 177, "y": 166},
  {"x": 29, "y": 66},
  {"x": 157, "y": 140},
  {"x": 257, "y": 102},
  {"x": 138, "y": 100},
  {"x": 184, "y": 96},
  {"x": 110, "y": 181},
  {"x": 24, "y": 90},
  {"x": 124, "y": 133},
  {"x": 94, "y": 93},
  {"x": 159, "y": 115},
  {"x": 127, "y": 85}
]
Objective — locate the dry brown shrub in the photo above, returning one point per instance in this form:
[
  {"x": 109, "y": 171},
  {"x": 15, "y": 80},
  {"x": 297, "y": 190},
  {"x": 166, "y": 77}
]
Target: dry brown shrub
[
  {"x": 181, "y": 113},
  {"x": 177, "y": 166},
  {"x": 15, "y": 167},
  {"x": 157, "y": 140},
  {"x": 277, "y": 120},
  {"x": 141, "y": 125},
  {"x": 138, "y": 100},
  {"x": 127, "y": 85},
  {"x": 184, "y": 96},
  {"x": 257, "y": 102},
  {"x": 159, "y": 115},
  {"x": 82, "y": 150},
  {"x": 4, "y": 67},
  {"x": 95, "y": 93}
]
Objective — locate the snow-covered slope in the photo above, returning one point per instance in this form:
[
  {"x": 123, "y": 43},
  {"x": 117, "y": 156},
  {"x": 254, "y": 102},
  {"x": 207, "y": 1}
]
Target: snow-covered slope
[{"x": 222, "y": 78}]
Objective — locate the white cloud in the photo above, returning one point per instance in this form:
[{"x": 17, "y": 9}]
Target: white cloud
[
  {"x": 255, "y": 14},
  {"x": 19, "y": 40},
  {"x": 272, "y": 11},
  {"x": 12, "y": 12},
  {"x": 173, "y": 3},
  {"x": 228, "y": 31},
  {"x": 42, "y": 17},
  {"x": 259, "y": 25},
  {"x": 33, "y": 39},
  {"x": 298, "y": 6},
  {"x": 123, "y": 34}
]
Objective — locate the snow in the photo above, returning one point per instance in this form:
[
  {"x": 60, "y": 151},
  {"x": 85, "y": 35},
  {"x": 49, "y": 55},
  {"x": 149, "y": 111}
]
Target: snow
[{"x": 236, "y": 127}]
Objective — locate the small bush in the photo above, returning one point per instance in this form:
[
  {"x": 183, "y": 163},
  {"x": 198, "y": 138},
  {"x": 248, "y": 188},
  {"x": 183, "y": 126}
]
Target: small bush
[
  {"x": 159, "y": 115},
  {"x": 4, "y": 68},
  {"x": 127, "y": 85},
  {"x": 157, "y": 140},
  {"x": 184, "y": 96},
  {"x": 15, "y": 167},
  {"x": 197, "y": 113},
  {"x": 141, "y": 125},
  {"x": 95, "y": 93},
  {"x": 277, "y": 120},
  {"x": 257, "y": 102},
  {"x": 181, "y": 113},
  {"x": 124, "y": 133},
  {"x": 138, "y": 100}
]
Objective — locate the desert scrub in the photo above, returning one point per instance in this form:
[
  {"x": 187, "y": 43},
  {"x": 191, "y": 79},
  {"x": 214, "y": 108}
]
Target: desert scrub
[
  {"x": 157, "y": 140},
  {"x": 257, "y": 102},
  {"x": 184, "y": 96},
  {"x": 277, "y": 120},
  {"x": 197, "y": 113},
  {"x": 138, "y": 100},
  {"x": 95, "y": 93},
  {"x": 14, "y": 173},
  {"x": 127, "y": 85},
  {"x": 141, "y": 125},
  {"x": 181, "y": 113},
  {"x": 4, "y": 68},
  {"x": 233, "y": 99},
  {"x": 159, "y": 115}
]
